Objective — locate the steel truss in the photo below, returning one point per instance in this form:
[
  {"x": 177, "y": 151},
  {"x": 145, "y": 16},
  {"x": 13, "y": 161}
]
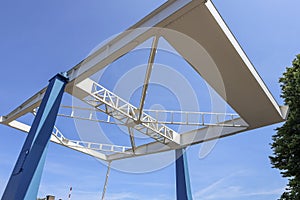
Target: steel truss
[
  {"x": 125, "y": 114},
  {"x": 172, "y": 117},
  {"x": 106, "y": 101},
  {"x": 89, "y": 145},
  {"x": 173, "y": 15}
]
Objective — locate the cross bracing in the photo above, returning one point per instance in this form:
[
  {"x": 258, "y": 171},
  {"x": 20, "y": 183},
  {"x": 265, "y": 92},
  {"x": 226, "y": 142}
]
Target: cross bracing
[
  {"x": 104, "y": 101},
  {"x": 216, "y": 56},
  {"x": 177, "y": 16},
  {"x": 126, "y": 113}
]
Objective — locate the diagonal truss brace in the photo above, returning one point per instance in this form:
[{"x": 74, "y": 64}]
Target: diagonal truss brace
[
  {"x": 126, "y": 113},
  {"x": 147, "y": 75}
]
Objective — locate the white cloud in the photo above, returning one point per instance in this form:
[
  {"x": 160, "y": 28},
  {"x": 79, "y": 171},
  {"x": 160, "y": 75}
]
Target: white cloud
[
  {"x": 278, "y": 191},
  {"x": 217, "y": 184},
  {"x": 237, "y": 192},
  {"x": 201, "y": 192},
  {"x": 223, "y": 189}
]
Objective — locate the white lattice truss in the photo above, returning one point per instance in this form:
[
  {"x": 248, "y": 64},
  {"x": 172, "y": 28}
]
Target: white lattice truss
[
  {"x": 102, "y": 100},
  {"x": 180, "y": 16},
  {"x": 88, "y": 145},
  {"x": 127, "y": 114}
]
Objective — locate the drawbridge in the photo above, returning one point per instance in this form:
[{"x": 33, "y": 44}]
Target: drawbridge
[{"x": 211, "y": 50}]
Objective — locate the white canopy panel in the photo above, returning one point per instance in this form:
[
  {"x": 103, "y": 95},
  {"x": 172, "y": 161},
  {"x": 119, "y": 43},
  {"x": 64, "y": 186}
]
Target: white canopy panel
[{"x": 211, "y": 50}]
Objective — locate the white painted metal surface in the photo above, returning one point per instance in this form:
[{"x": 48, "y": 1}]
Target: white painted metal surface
[
  {"x": 240, "y": 85},
  {"x": 126, "y": 113},
  {"x": 89, "y": 145}
]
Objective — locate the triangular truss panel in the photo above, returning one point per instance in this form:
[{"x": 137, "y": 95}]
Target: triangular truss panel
[{"x": 210, "y": 49}]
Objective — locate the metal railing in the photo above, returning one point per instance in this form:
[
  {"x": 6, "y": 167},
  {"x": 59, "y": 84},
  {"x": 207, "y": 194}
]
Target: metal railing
[{"x": 89, "y": 145}]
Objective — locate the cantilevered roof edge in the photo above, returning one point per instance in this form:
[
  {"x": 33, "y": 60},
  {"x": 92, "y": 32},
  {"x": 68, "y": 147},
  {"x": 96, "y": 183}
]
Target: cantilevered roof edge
[{"x": 242, "y": 53}]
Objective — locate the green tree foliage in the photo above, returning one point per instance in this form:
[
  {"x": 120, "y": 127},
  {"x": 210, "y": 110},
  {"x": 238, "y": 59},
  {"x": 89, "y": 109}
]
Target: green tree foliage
[{"x": 286, "y": 142}]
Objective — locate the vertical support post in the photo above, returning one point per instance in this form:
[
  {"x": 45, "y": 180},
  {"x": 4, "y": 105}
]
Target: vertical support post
[
  {"x": 183, "y": 188},
  {"x": 132, "y": 142},
  {"x": 106, "y": 180},
  {"x": 24, "y": 181}
]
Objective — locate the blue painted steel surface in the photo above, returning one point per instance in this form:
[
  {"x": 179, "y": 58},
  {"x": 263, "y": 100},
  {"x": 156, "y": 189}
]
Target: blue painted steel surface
[
  {"x": 183, "y": 187},
  {"x": 25, "y": 178}
]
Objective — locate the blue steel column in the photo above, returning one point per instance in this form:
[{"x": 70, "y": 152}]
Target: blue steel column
[
  {"x": 25, "y": 178},
  {"x": 183, "y": 188}
]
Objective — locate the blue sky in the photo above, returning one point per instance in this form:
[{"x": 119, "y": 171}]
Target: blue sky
[{"x": 39, "y": 39}]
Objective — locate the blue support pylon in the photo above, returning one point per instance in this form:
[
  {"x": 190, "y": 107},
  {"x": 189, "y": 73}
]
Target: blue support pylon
[
  {"x": 183, "y": 187},
  {"x": 25, "y": 179}
]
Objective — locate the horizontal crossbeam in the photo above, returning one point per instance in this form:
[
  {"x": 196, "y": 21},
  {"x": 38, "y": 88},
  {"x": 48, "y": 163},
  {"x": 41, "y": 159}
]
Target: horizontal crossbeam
[
  {"x": 192, "y": 137},
  {"x": 88, "y": 114},
  {"x": 96, "y": 150},
  {"x": 194, "y": 118},
  {"x": 171, "y": 117}
]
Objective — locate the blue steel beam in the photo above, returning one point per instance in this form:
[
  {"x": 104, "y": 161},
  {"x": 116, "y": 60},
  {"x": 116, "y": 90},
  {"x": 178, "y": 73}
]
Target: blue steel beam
[
  {"x": 25, "y": 178},
  {"x": 183, "y": 187}
]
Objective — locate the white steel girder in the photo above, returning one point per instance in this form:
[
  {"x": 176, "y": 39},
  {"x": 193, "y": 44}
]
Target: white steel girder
[
  {"x": 126, "y": 113},
  {"x": 89, "y": 145},
  {"x": 96, "y": 150},
  {"x": 215, "y": 37},
  {"x": 108, "y": 53},
  {"x": 147, "y": 75},
  {"x": 172, "y": 117},
  {"x": 234, "y": 64},
  {"x": 188, "y": 138},
  {"x": 121, "y": 152}
]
